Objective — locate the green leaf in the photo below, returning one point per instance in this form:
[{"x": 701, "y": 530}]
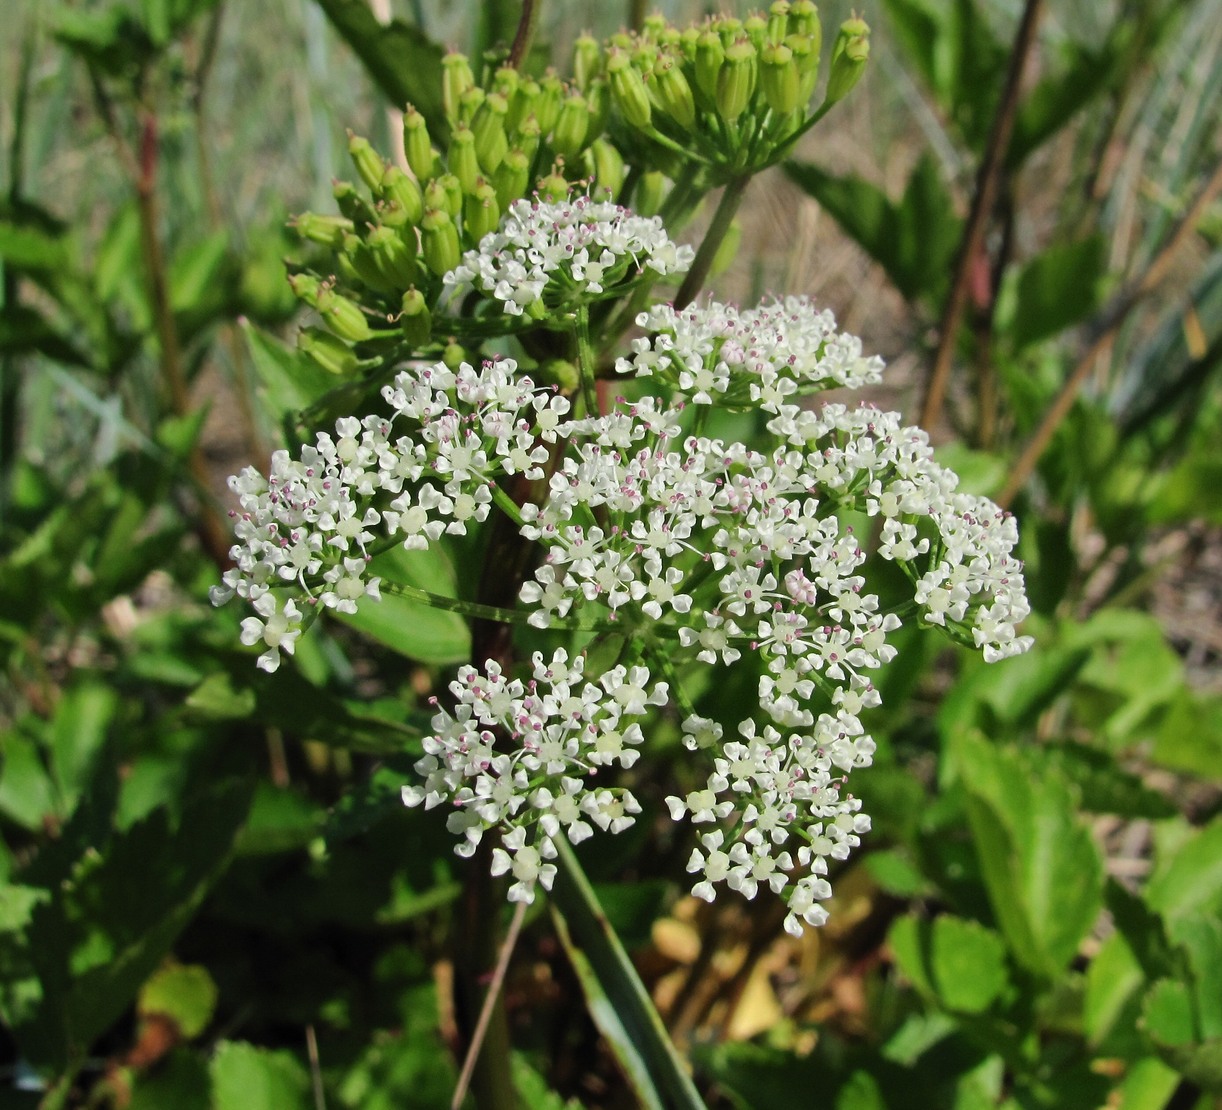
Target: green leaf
[
  {"x": 78, "y": 734},
  {"x": 248, "y": 1078},
  {"x": 1187, "y": 880},
  {"x": 914, "y": 241},
  {"x": 1055, "y": 289},
  {"x": 411, "y": 628},
  {"x": 402, "y": 61},
  {"x": 1189, "y": 739},
  {"x": 289, "y": 379},
  {"x": 184, "y": 993},
  {"x": 180, "y": 1080},
  {"x": 958, "y": 963},
  {"x": 1103, "y": 785},
  {"x": 616, "y": 999},
  {"x": 1040, "y": 865}
]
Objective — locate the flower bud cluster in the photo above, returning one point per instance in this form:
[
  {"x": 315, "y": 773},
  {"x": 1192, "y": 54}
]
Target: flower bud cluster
[{"x": 550, "y": 255}]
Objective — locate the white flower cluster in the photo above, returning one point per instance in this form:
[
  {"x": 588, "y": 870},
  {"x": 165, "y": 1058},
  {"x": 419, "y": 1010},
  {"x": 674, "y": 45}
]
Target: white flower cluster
[
  {"x": 565, "y": 250},
  {"x": 521, "y": 757},
  {"x": 425, "y": 469},
  {"x": 683, "y": 549},
  {"x": 761, "y": 357}
]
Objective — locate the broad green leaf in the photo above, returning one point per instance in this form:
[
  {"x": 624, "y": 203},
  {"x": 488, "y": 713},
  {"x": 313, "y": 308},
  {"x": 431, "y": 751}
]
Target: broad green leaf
[
  {"x": 1057, "y": 288},
  {"x": 409, "y": 627},
  {"x": 27, "y": 792},
  {"x": 1189, "y": 739},
  {"x": 180, "y": 1081},
  {"x": 289, "y": 379},
  {"x": 31, "y": 248},
  {"x": 1040, "y": 865},
  {"x": 960, "y": 964},
  {"x": 184, "y": 993},
  {"x": 1188, "y": 879},
  {"x": 1113, "y": 983},
  {"x": 615, "y": 997},
  {"x": 248, "y": 1078},
  {"x": 1148, "y": 1085},
  {"x": 1104, "y": 786},
  {"x": 403, "y": 63},
  {"x": 77, "y": 736}
]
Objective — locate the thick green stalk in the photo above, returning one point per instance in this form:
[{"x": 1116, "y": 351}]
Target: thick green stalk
[{"x": 727, "y": 208}]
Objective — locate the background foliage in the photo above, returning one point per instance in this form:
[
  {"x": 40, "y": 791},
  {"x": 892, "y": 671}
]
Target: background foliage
[{"x": 210, "y": 893}]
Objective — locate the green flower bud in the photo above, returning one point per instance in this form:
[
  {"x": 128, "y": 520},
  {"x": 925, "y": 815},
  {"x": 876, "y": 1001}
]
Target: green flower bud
[
  {"x": 488, "y": 127},
  {"x": 453, "y": 194},
  {"x": 400, "y": 189},
  {"x": 804, "y": 20},
  {"x": 528, "y": 138},
  {"x": 456, "y": 80},
  {"x": 505, "y": 82},
  {"x": 511, "y": 179},
  {"x": 329, "y": 351},
  {"x": 727, "y": 250},
  {"x": 305, "y": 287},
  {"x": 674, "y": 93},
  {"x": 756, "y": 29},
  {"x": 368, "y": 162},
  {"x": 628, "y": 90},
  {"x": 710, "y": 53},
  {"x": 687, "y": 41},
  {"x": 598, "y": 97},
  {"x": 481, "y": 210},
  {"x": 461, "y": 157},
  {"x": 415, "y": 320},
  {"x": 394, "y": 261},
  {"x": 554, "y": 186},
  {"x": 621, "y": 40},
  {"x": 569, "y": 135},
  {"x": 354, "y": 206},
  {"x": 736, "y": 81},
  {"x": 606, "y": 167},
  {"x": 653, "y": 26},
  {"x": 849, "y": 56},
  {"x": 805, "y": 50},
  {"x": 365, "y": 265},
  {"x": 650, "y": 192},
  {"x": 346, "y": 271},
  {"x": 522, "y": 104},
  {"x": 392, "y": 214},
  {"x": 558, "y": 372},
  {"x": 439, "y": 241},
  {"x": 778, "y": 21},
  {"x": 470, "y": 102},
  {"x": 730, "y": 30},
  {"x": 453, "y": 355},
  {"x": 342, "y": 316},
  {"x": 417, "y": 144},
  {"x": 587, "y": 60},
  {"x": 779, "y": 79},
  {"x": 547, "y": 108},
  {"x": 327, "y": 230}
]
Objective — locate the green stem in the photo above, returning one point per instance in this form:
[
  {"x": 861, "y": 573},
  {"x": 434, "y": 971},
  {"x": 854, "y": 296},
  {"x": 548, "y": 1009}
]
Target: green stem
[
  {"x": 526, "y": 32},
  {"x": 587, "y": 362},
  {"x": 498, "y": 613},
  {"x": 727, "y": 207}
]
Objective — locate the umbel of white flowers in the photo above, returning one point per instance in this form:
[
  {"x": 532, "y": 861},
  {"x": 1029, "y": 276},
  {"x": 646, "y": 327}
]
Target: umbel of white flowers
[{"x": 689, "y": 550}]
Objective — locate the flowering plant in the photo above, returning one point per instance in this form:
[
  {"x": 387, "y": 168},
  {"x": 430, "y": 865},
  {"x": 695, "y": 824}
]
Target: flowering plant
[{"x": 635, "y": 555}]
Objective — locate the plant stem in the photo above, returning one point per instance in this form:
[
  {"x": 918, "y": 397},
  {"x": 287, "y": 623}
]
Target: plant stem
[
  {"x": 1112, "y": 318},
  {"x": 987, "y": 180},
  {"x": 586, "y": 360},
  {"x": 727, "y": 207},
  {"x": 525, "y": 34}
]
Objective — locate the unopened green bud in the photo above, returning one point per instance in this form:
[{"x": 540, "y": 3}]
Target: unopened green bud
[
  {"x": 454, "y": 355},
  {"x": 710, "y": 53},
  {"x": 453, "y": 194},
  {"x": 528, "y": 138},
  {"x": 346, "y": 271},
  {"x": 417, "y": 144},
  {"x": 650, "y": 192},
  {"x": 365, "y": 265},
  {"x": 511, "y": 178},
  {"x": 481, "y": 210},
  {"x": 400, "y": 189},
  {"x": 674, "y": 93},
  {"x": 558, "y": 372},
  {"x": 804, "y": 19},
  {"x": 778, "y": 21},
  {"x": 329, "y": 351},
  {"x": 415, "y": 320},
  {"x": 469, "y": 103},
  {"x": 805, "y": 50},
  {"x": 350, "y": 202},
  {"x": 394, "y": 261},
  {"x": 342, "y": 316},
  {"x": 736, "y": 81},
  {"x": 522, "y": 104},
  {"x": 628, "y": 90},
  {"x": 456, "y": 79},
  {"x": 755, "y": 27},
  {"x": 850, "y": 53},
  {"x": 607, "y": 167},
  {"x": 587, "y": 60},
  {"x": 554, "y": 186},
  {"x": 727, "y": 249},
  {"x": 505, "y": 81},
  {"x": 779, "y": 79},
  {"x": 368, "y": 162},
  {"x": 392, "y": 214},
  {"x": 730, "y": 30},
  {"x": 327, "y": 230},
  {"x": 598, "y": 97},
  {"x": 461, "y": 157},
  {"x": 621, "y": 40},
  {"x": 547, "y": 107},
  {"x": 569, "y": 135},
  {"x": 488, "y": 127},
  {"x": 305, "y": 287},
  {"x": 653, "y": 25},
  {"x": 439, "y": 240}
]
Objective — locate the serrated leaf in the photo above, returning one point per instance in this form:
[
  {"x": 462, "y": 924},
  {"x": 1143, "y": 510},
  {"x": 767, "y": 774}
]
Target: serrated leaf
[{"x": 1040, "y": 866}]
